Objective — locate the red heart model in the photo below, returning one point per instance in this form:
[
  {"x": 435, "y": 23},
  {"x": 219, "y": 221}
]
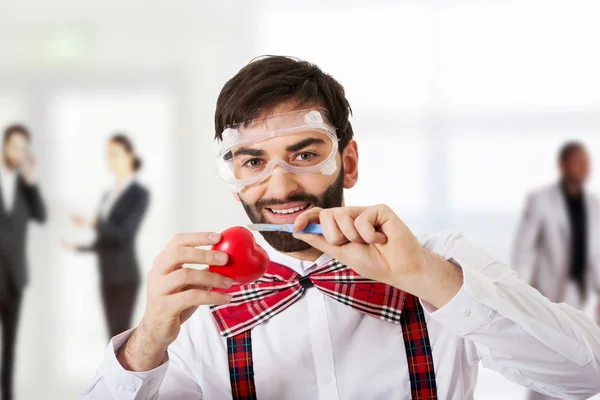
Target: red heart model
[{"x": 247, "y": 260}]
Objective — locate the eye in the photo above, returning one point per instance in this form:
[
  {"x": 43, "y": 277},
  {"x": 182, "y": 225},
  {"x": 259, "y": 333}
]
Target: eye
[
  {"x": 306, "y": 156},
  {"x": 252, "y": 163}
]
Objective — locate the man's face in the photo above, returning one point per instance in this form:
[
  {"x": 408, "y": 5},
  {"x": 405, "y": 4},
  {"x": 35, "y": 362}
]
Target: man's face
[
  {"x": 283, "y": 196},
  {"x": 576, "y": 167},
  {"x": 15, "y": 150},
  {"x": 281, "y": 199}
]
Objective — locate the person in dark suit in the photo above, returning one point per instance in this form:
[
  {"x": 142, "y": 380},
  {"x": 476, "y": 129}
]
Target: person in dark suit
[
  {"x": 20, "y": 201},
  {"x": 121, "y": 211}
]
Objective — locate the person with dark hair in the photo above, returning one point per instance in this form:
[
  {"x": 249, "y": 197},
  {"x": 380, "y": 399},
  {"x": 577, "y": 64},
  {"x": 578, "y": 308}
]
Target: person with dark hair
[
  {"x": 365, "y": 310},
  {"x": 557, "y": 245},
  {"x": 20, "y": 201},
  {"x": 121, "y": 212}
]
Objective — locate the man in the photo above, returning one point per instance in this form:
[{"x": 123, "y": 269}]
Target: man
[
  {"x": 20, "y": 201},
  {"x": 557, "y": 246},
  {"x": 365, "y": 311}
]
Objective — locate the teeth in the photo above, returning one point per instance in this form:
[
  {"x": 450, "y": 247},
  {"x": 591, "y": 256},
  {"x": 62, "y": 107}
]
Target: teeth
[{"x": 290, "y": 210}]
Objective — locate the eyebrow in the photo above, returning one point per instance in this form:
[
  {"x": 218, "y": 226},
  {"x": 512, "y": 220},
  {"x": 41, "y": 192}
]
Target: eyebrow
[
  {"x": 247, "y": 151},
  {"x": 304, "y": 143}
]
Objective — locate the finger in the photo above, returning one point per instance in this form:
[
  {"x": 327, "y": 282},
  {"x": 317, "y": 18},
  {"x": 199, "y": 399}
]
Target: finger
[
  {"x": 192, "y": 278},
  {"x": 331, "y": 231},
  {"x": 181, "y": 301},
  {"x": 312, "y": 216},
  {"x": 319, "y": 243},
  {"x": 171, "y": 259},
  {"x": 352, "y": 211},
  {"x": 309, "y": 216},
  {"x": 367, "y": 225},
  {"x": 346, "y": 224},
  {"x": 193, "y": 239}
]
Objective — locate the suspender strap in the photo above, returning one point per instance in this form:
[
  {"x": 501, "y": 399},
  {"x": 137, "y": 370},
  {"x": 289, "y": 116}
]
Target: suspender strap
[
  {"x": 241, "y": 368},
  {"x": 418, "y": 350},
  {"x": 416, "y": 343}
]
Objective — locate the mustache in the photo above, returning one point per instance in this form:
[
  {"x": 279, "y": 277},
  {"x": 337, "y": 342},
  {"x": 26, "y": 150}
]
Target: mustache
[{"x": 302, "y": 197}]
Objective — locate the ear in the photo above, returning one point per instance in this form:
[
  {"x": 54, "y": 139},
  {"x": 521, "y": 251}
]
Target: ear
[
  {"x": 350, "y": 162},
  {"x": 236, "y": 196}
]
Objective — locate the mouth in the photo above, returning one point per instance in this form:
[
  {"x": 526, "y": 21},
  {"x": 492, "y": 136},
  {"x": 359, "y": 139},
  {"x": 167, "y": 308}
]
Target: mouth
[{"x": 285, "y": 213}]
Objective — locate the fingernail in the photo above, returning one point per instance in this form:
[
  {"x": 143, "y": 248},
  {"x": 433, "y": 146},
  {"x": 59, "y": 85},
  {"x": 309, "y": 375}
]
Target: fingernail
[
  {"x": 228, "y": 297},
  {"x": 214, "y": 236},
  {"x": 227, "y": 282},
  {"x": 221, "y": 257}
]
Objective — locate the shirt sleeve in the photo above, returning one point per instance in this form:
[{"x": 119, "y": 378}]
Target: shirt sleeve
[
  {"x": 550, "y": 348},
  {"x": 168, "y": 381}
]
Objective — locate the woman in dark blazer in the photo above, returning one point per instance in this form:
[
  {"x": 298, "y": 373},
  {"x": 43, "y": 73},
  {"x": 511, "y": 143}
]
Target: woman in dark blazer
[{"x": 121, "y": 211}]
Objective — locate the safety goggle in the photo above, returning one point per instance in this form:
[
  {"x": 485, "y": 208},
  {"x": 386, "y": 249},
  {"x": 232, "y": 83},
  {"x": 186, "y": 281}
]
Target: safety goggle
[{"x": 298, "y": 142}]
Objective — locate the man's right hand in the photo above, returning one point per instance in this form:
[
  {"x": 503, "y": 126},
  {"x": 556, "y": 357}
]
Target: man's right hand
[{"x": 173, "y": 295}]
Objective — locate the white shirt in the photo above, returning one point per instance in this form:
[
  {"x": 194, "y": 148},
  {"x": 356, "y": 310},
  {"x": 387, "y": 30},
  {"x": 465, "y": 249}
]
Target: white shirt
[
  {"x": 321, "y": 349},
  {"x": 112, "y": 196},
  {"x": 8, "y": 186}
]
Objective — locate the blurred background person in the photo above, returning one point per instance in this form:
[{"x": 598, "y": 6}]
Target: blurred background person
[
  {"x": 557, "y": 246},
  {"x": 122, "y": 209},
  {"x": 20, "y": 201}
]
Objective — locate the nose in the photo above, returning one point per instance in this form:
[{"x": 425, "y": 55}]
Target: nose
[{"x": 282, "y": 183}]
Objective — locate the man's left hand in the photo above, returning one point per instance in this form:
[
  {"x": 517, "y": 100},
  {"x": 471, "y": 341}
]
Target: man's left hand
[
  {"x": 83, "y": 221},
  {"x": 371, "y": 240},
  {"x": 68, "y": 245},
  {"x": 375, "y": 243}
]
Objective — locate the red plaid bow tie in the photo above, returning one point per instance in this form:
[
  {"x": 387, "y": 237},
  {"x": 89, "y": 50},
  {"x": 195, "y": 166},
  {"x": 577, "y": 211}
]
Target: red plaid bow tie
[{"x": 280, "y": 287}]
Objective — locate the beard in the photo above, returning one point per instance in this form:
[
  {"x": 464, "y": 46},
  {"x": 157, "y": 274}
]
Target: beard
[{"x": 284, "y": 241}]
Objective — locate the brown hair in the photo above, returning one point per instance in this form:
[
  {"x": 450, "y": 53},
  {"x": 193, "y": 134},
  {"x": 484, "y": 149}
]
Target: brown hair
[
  {"x": 568, "y": 148},
  {"x": 16, "y": 129},
  {"x": 124, "y": 141},
  {"x": 270, "y": 80}
]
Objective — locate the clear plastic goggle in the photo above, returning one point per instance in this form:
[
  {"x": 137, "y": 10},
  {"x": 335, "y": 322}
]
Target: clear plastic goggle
[{"x": 298, "y": 142}]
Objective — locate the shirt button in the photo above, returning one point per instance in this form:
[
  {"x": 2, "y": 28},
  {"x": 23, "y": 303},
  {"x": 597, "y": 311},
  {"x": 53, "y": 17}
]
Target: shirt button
[
  {"x": 326, "y": 380},
  {"x": 534, "y": 327},
  {"x": 152, "y": 383},
  {"x": 464, "y": 311},
  {"x": 127, "y": 389}
]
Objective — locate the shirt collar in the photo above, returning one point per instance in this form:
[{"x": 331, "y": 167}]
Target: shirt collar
[{"x": 301, "y": 267}]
